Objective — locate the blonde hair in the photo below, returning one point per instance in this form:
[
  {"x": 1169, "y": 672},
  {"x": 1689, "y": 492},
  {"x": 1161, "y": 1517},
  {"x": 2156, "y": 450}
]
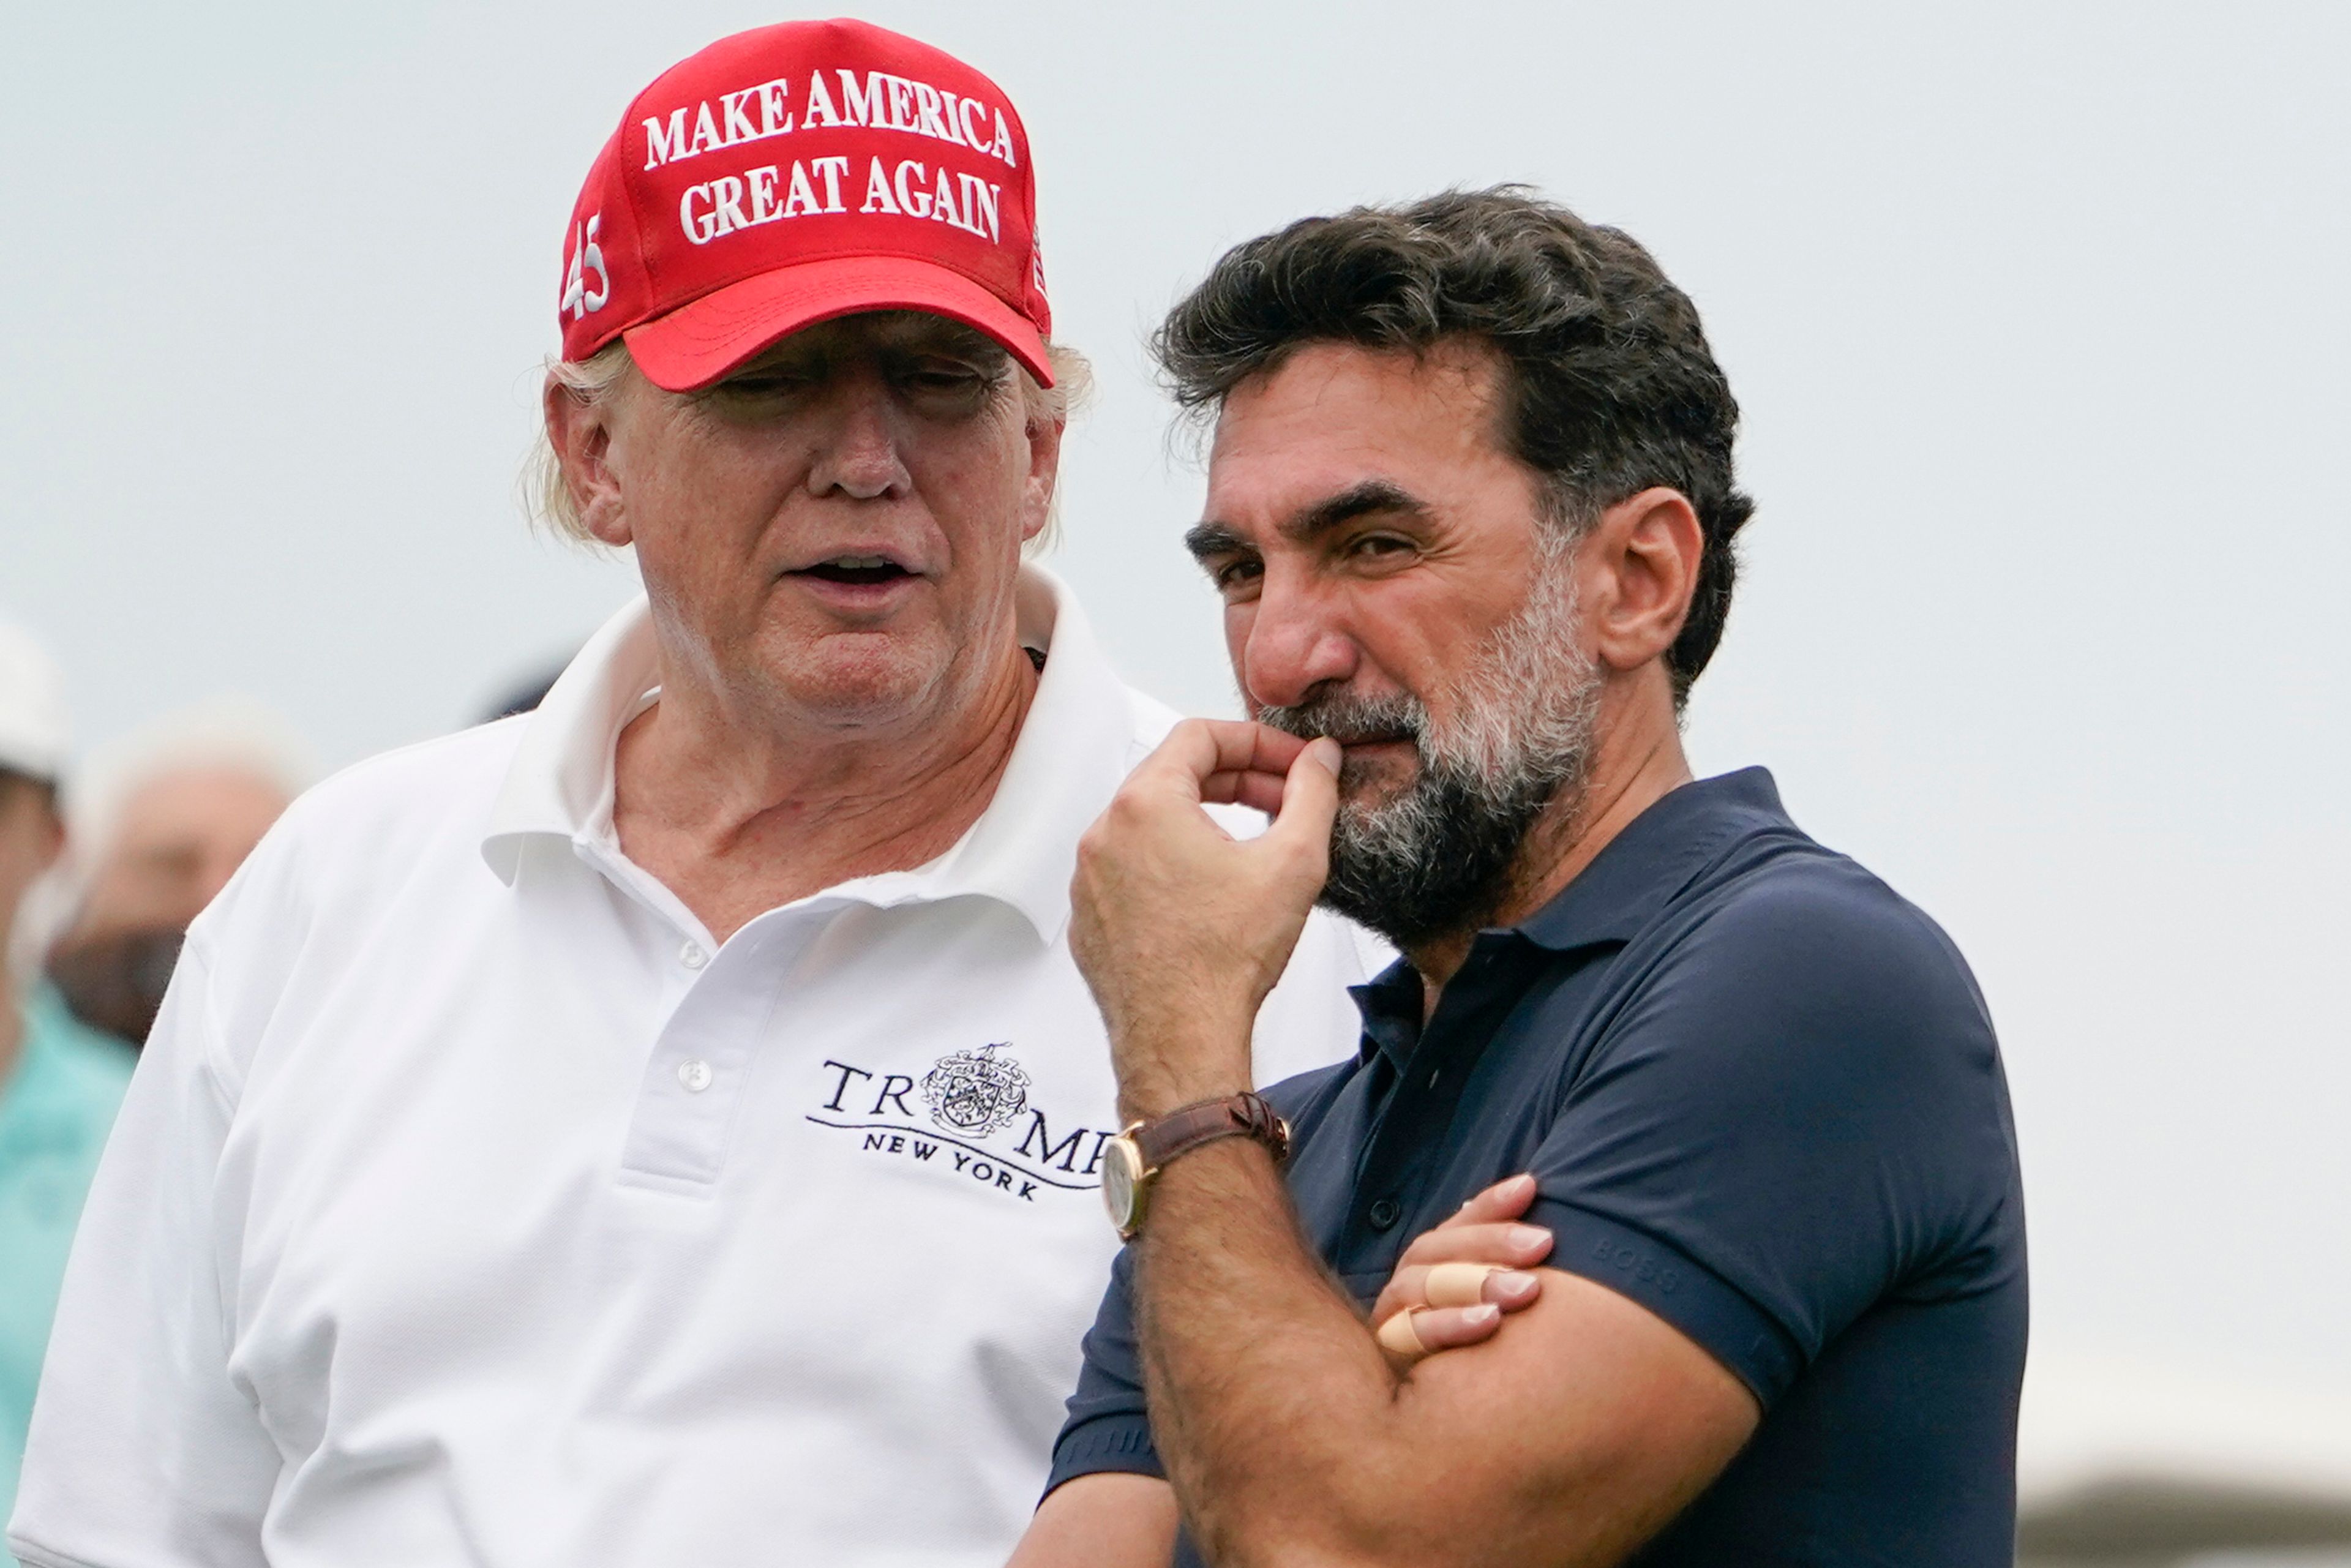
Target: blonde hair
[{"x": 547, "y": 497}]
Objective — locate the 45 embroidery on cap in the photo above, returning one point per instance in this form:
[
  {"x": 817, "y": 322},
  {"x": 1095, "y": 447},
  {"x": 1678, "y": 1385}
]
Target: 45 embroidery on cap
[{"x": 587, "y": 256}]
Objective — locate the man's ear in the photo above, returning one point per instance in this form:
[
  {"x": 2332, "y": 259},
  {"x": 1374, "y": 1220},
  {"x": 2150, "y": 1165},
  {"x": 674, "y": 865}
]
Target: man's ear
[
  {"x": 580, "y": 431},
  {"x": 1642, "y": 558},
  {"x": 1044, "y": 473}
]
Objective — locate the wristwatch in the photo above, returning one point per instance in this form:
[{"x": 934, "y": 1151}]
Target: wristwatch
[{"x": 1132, "y": 1161}]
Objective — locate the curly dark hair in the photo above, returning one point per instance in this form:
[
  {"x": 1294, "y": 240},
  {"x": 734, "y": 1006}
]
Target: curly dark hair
[{"x": 1609, "y": 385}]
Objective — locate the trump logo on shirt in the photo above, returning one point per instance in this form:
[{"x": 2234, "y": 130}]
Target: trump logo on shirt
[{"x": 991, "y": 1130}]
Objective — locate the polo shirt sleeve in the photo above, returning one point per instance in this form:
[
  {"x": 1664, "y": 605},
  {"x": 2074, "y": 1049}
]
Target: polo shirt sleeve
[
  {"x": 1109, "y": 1427},
  {"x": 143, "y": 1449},
  {"x": 1798, "y": 1107}
]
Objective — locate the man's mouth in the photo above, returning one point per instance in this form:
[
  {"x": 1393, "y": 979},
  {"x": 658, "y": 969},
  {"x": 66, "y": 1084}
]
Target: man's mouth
[
  {"x": 1352, "y": 739},
  {"x": 1361, "y": 725},
  {"x": 858, "y": 570}
]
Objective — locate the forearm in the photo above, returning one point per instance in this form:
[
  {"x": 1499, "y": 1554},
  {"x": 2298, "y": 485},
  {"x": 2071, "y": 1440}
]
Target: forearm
[
  {"x": 1107, "y": 1519},
  {"x": 1290, "y": 1441},
  {"x": 1272, "y": 1409}
]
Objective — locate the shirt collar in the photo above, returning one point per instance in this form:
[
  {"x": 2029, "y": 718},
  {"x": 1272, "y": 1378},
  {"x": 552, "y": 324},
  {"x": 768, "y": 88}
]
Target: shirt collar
[
  {"x": 1633, "y": 878},
  {"x": 1391, "y": 1003},
  {"x": 1074, "y": 752},
  {"x": 1641, "y": 870}
]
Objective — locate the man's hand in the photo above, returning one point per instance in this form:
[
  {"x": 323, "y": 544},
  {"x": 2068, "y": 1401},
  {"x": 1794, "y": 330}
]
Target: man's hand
[
  {"x": 1179, "y": 928},
  {"x": 1453, "y": 1284}
]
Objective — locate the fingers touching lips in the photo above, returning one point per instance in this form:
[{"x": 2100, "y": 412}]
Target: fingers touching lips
[{"x": 1354, "y": 721}]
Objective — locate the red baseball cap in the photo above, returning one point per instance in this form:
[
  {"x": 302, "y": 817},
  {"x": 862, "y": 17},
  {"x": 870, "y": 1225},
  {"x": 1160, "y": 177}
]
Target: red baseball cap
[{"x": 794, "y": 173}]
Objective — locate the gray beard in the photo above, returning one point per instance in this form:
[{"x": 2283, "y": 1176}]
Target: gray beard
[{"x": 1437, "y": 859}]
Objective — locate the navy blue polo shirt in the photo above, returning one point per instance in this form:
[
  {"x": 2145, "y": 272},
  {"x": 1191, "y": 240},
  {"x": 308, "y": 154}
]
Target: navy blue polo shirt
[{"x": 1762, "y": 1098}]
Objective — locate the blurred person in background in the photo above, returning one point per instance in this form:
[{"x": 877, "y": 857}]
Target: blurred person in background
[
  {"x": 665, "y": 1127},
  {"x": 161, "y": 821},
  {"x": 61, "y": 1081}
]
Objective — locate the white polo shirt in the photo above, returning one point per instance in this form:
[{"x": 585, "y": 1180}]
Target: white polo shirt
[{"x": 472, "y": 1206}]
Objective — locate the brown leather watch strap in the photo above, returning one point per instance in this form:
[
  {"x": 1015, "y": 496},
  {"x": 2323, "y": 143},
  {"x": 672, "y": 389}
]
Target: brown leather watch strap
[{"x": 1187, "y": 1127}]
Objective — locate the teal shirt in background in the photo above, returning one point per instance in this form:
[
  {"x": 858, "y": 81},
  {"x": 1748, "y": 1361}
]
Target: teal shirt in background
[{"x": 55, "y": 1105}]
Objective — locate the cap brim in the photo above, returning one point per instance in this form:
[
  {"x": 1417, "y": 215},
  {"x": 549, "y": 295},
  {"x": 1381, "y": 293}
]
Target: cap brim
[{"x": 704, "y": 339}]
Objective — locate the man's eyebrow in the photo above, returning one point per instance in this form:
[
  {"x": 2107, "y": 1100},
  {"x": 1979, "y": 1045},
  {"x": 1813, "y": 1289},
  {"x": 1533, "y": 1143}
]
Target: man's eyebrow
[
  {"x": 1207, "y": 540},
  {"x": 1306, "y": 525}
]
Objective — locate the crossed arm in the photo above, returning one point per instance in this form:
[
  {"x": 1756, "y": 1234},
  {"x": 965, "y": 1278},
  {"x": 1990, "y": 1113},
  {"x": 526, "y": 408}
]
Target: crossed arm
[
  {"x": 1115, "y": 1519},
  {"x": 1291, "y": 1439}
]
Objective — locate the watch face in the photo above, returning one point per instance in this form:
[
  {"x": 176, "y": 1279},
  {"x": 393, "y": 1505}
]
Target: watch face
[{"x": 1121, "y": 1167}]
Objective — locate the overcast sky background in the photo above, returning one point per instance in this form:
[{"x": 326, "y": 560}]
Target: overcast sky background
[{"x": 2037, "y": 315}]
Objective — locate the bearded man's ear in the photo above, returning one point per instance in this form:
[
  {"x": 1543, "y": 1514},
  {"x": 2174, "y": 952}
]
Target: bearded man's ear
[{"x": 1642, "y": 559}]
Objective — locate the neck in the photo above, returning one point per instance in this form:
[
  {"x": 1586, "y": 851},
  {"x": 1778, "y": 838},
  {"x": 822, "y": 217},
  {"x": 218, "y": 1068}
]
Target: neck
[
  {"x": 1636, "y": 765},
  {"x": 12, "y": 1016},
  {"x": 737, "y": 815}
]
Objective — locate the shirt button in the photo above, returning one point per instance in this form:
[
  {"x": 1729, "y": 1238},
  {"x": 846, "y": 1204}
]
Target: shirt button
[
  {"x": 692, "y": 956},
  {"x": 1384, "y": 1213},
  {"x": 695, "y": 1074}
]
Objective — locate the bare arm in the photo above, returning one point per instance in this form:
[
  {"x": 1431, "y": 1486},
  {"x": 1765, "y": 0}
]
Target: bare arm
[
  {"x": 1571, "y": 1439},
  {"x": 1109, "y": 1519},
  {"x": 1128, "y": 1520}
]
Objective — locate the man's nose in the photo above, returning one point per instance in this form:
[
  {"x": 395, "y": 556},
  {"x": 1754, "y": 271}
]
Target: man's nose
[
  {"x": 1294, "y": 641},
  {"x": 861, "y": 446}
]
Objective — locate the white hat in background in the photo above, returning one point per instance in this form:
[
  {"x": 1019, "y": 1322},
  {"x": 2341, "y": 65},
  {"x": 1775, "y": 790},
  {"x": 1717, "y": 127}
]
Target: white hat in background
[{"x": 32, "y": 708}]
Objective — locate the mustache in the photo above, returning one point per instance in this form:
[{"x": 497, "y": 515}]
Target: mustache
[{"x": 1350, "y": 719}]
